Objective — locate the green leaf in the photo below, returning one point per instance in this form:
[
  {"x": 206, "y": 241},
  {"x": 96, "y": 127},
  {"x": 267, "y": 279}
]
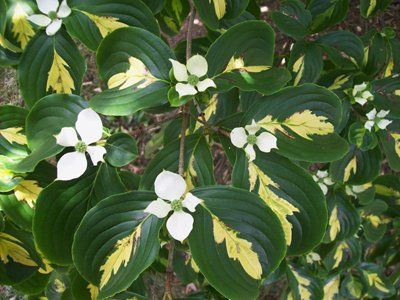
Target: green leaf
[
  {"x": 3, "y": 16},
  {"x": 379, "y": 285},
  {"x": 129, "y": 179},
  {"x": 376, "y": 53},
  {"x": 343, "y": 220},
  {"x": 63, "y": 205},
  {"x": 45, "y": 120},
  {"x": 327, "y": 13},
  {"x": 387, "y": 188},
  {"x": 303, "y": 284},
  {"x": 354, "y": 285},
  {"x": 391, "y": 146},
  {"x": 361, "y": 137},
  {"x": 121, "y": 149},
  {"x": 305, "y": 62},
  {"x": 357, "y": 167},
  {"x": 109, "y": 222},
  {"x": 344, "y": 255},
  {"x": 374, "y": 228},
  {"x": 34, "y": 284},
  {"x": 198, "y": 162},
  {"x": 290, "y": 192},
  {"x": 369, "y": 8},
  {"x": 293, "y": 19},
  {"x": 19, "y": 212},
  {"x": 243, "y": 57},
  {"x": 20, "y": 259},
  {"x": 212, "y": 16},
  {"x": 92, "y": 20},
  {"x": 155, "y": 5},
  {"x": 114, "y": 57},
  {"x": 56, "y": 63},
  {"x": 344, "y": 49},
  {"x": 253, "y": 221},
  {"x": 80, "y": 288},
  {"x": 12, "y": 117},
  {"x": 58, "y": 287},
  {"x": 173, "y": 16},
  {"x": 313, "y": 140}
]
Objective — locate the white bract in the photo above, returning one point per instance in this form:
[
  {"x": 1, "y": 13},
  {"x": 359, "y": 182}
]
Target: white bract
[
  {"x": 90, "y": 129},
  {"x": 361, "y": 93},
  {"x": 377, "y": 119},
  {"x": 53, "y": 13},
  {"x": 246, "y": 138},
  {"x": 170, "y": 188},
  {"x": 188, "y": 76},
  {"x": 323, "y": 180}
]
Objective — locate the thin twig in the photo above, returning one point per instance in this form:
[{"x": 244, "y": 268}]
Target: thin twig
[
  {"x": 155, "y": 126},
  {"x": 181, "y": 163},
  {"x": 213, "y": 128}
]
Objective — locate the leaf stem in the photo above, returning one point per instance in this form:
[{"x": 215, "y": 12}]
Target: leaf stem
[{"x": 181, "y": 163}]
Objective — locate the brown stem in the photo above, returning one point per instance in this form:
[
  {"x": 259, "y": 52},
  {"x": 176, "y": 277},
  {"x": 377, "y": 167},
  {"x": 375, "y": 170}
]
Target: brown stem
[
  {"x": 181, "y": 163},
  {"x": 214, "y": 128}
]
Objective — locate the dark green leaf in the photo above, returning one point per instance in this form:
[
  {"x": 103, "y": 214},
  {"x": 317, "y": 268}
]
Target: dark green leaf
[
  {"x": 121, "y": 149},
  {"x": 62, "y": 205},
  {"x": 38, "y": 58}
]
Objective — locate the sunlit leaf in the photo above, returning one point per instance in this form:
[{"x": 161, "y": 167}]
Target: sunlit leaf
[
  {"x": 59, "y": 79},
  {"x": 124, "y": 250},
  {"x": 27, "y": 190},
  {"x": 105, "y": 24},
  {"x": 237, "y": 248},
  {"x": 13, "y": 134},
  {"x": 11, "y": 248},
  {"x": 21, "y": 28},
  {"x": 280, "y": 206},
  {"x": 304, "y": 124}
]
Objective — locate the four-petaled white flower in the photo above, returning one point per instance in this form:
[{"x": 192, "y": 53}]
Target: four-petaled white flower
[
  {"x": 188, "y": 76},
  {"x": 361, "y": 93},
  {"x": 53, "y": 13},
  {"x": 377, "y": 119},
  {"x": 169, "y": 188},
  {"x": 353, "y": 190},
  {"x": 323, "y": 180},
  {"x": 265, "y": 141},
  {"x": 90, "y": 128}
]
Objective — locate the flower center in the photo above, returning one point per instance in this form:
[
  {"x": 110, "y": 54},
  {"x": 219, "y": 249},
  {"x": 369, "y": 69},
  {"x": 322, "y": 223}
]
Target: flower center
[
  {"x": 52, "y": 15},
  {"x": 193, "y": 80},
  {"x": 176, "y": 205},
  {"x": 251, "y": 139},
  {"x": 80, "y": 147}
]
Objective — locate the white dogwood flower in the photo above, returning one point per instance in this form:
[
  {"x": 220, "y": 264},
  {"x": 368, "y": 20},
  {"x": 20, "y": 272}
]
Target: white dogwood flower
[
  {"x": 377, "y": 119},
  {"x": 361, "y": 93},
  {"x": 323, "y": 180},
  {"x": 170, "y": 188},
  {"x": 90, "y": 129},
  {"x": 53, "y": 13},
  {"x": 188, "y": 76},
  {"x": 246, "y": 138}
]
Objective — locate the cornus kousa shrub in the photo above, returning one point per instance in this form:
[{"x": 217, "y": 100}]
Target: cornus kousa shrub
[{"x": 211, "y": 161}]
